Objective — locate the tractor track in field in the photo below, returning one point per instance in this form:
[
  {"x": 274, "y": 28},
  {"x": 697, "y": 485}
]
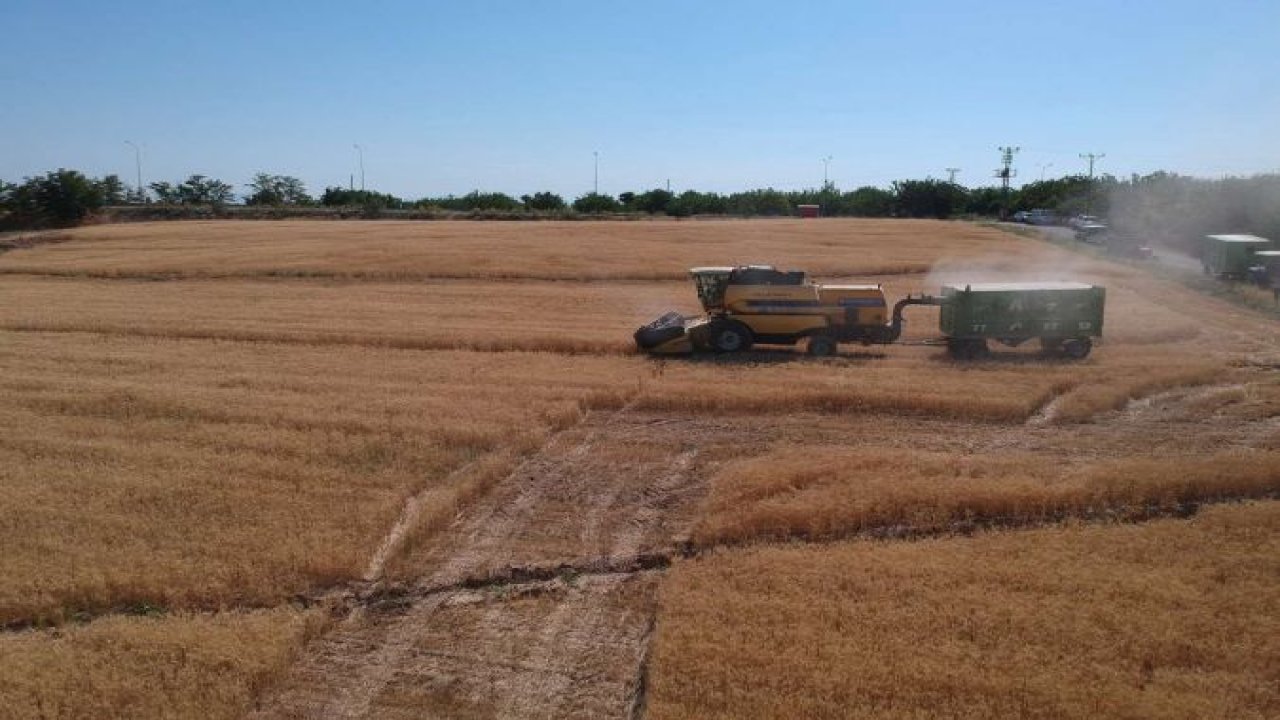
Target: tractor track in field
[{"x": 538, "y": 602}]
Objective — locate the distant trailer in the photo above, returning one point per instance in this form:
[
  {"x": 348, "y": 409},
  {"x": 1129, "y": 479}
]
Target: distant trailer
[
  {"x": 1270, "y": 259},
  {"x": 1231, "y": 256},
  {"x": 1063, "y": 316},
  {"x": 810, "y": 211},
  {"x": 1265, "y": 271}
]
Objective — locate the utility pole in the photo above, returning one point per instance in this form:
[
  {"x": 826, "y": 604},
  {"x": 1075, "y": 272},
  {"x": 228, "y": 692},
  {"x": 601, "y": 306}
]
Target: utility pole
[
  {"x": 826, "y": 162},
  {"x": 1092, "y": 157},
  {"x": 1006, "y": 173},
  {"x": 137, "y": 158},
  {"x": 595, "y": 177},
  {"x": 360, "y": 154},
  {"x": 1043, "y": 167},
  {"x": 951, "y": 175}
]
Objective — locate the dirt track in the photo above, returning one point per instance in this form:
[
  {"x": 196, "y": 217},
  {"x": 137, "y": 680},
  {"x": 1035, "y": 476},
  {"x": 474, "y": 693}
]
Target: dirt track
[{"x": 538, "y": 602}]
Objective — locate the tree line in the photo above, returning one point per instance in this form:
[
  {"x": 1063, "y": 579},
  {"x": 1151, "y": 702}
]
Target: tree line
[{"x": 1177, "y": 207}]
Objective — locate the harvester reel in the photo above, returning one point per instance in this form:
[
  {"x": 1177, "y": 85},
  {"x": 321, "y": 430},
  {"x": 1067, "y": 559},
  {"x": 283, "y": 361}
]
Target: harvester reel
[
  {"x": 730, "y": 337},
  {"x": 666, "y": 328}
]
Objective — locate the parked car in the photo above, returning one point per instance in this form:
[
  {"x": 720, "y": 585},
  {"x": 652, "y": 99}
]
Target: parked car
[
  {"x": 1090, "y": 232},
  {"x": 1021, "y": 216},
  {"x": 1078, "y": 221},
  {"x": 1041, "y": 216}
]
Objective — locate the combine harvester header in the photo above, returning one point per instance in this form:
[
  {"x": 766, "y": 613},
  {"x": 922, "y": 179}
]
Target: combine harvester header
[{"x": 752, "y": 304}]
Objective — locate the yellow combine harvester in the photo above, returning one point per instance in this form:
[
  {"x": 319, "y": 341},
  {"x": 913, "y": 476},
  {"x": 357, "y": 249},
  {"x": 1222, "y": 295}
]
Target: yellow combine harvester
[{"x": 759, "y": 304}]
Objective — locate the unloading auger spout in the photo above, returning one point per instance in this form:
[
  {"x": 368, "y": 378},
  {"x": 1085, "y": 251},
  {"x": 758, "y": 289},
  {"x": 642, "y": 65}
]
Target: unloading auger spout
[{"x": 894, "y": 328}]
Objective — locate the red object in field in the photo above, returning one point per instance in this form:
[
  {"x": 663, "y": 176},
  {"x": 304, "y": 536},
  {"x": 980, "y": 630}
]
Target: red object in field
[{"x": 810, "y": 211}]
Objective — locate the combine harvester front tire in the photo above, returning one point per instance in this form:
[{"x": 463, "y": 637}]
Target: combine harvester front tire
[{"x": 728, "y": 336}]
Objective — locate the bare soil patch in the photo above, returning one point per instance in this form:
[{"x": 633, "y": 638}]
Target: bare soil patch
[{"x": 519, "y": 610}]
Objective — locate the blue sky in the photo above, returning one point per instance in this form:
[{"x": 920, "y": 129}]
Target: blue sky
[{"x": 516, "y": 96}]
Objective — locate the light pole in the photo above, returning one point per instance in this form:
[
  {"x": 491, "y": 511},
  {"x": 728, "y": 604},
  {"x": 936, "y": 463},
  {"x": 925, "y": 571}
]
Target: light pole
[
  {"x": 826, "y": 162},
  {"x": 595, "y": 177},
  {"x": 137, "y": 159},
  {"x": 1043, "y": 167},
  {"x": 951, "y": 175},
  {"x": 360, "y": 154}
]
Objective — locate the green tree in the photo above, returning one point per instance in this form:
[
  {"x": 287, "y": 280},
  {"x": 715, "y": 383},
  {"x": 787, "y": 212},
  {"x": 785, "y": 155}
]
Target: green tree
[
  {"x": 767, "y": 202},
  {"x": 166, "y": 192},
  {"x": 654, "y": 201},
  {"x": 692, "y": 202},
  {"x": 596, "y": 203},
  {"x": 60, "y": 198},
  {"x": 112, "y": 189},
  {"x": 868, "y": 201},
  {"x": 927, "y": 198},
  {"x": 546, "y": 201},
  {"x": 267, "y": 189},
  {"x": 201, "y": 190},
  {"x": 342, "y": 197},
  {"x": 986, "y": 201},
  {"x": 195, "y": 190}
]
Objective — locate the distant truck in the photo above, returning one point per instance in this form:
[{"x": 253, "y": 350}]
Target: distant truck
[
  {"x": 1231, "y": 256},
  {"x": 1040, "y": 216}
]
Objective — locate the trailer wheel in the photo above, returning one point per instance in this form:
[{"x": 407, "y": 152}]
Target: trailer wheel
[
  {"x": 730, "y": 337},
  {"x": 1077, "y": 349},
  {"x": 967, "y": 349},
  {"x": 822, "y": 346}
]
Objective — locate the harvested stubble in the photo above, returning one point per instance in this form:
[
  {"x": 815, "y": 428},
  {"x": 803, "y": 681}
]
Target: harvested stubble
[
  {"x": 204, "y": 474},
  {"x": 827, "y": 492},
  {"x": 1171, "y": 619},
  {"x": 174, "y": 667},
  {"x": 660, "y": 250}
]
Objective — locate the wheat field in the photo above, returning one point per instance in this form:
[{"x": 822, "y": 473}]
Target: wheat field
[
  {"x": 208, "y": 427},
  {"x": 1171, "y": 619}
]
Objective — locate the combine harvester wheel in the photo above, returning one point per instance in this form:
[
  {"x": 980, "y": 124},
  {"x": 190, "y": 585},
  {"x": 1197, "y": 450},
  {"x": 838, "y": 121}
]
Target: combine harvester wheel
[
  {"x": 822, "y": 346},
  {"x": 729, "y": 337}
]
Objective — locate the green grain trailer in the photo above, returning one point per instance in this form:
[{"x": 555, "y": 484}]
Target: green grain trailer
[
  {"x": 1063, "y": 316},
  {"x": 1230, "y": 256}
]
